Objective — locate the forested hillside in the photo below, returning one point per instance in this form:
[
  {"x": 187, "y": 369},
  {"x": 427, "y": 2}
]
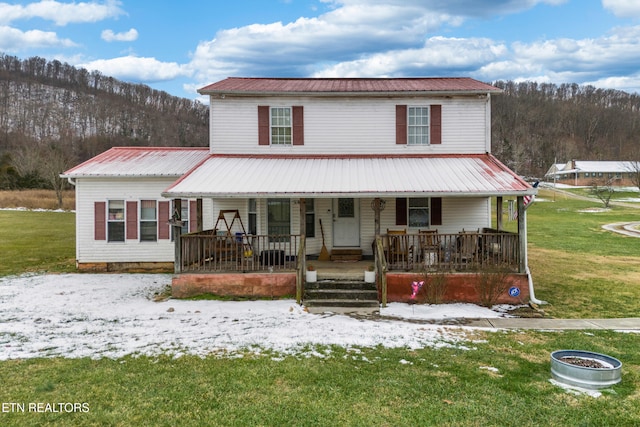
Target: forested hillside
[
  {"x": 535, "y": 124},
  {"x": 53, "y": 115}
]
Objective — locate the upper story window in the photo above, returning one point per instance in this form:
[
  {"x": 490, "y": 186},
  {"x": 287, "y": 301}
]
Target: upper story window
[
  {"x": 281, "y": 126},
  {"x": 418, "y": 125}
]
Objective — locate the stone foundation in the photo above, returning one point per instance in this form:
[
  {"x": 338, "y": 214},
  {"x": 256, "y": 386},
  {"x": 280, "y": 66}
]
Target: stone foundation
[{"x": 125, "y": 267}]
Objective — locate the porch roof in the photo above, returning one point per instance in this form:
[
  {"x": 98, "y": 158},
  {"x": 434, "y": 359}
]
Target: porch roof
[{"x": 474, "y": 175}]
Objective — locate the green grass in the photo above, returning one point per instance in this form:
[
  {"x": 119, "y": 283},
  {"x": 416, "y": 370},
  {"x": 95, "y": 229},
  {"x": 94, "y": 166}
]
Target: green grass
[
  {"x": 396, "y": 387},
  {"x": 580, "y": 269},
  {"x": 37, "y": 241}
]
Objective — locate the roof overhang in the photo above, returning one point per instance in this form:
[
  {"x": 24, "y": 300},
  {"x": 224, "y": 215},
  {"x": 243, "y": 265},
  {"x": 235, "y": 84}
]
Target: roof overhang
[{"x": 227, "y": 176}]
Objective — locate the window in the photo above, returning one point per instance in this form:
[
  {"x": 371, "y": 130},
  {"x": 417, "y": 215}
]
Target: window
[
  {"x": 418, "y": 212},
  {"x": 281, "y": 126},
  {"x": 115, "y": 221},
  {"x": 310, "y": 225},
  {"x": 148, "y": 221},
  {"x": 184, "y": 216},
  {"x": 278, "y": 218},
  {"x": 418, "y": 125},
  {"x": 253, "y": 217}
]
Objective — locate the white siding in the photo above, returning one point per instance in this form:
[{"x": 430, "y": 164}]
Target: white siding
[
  {"x": 349, "y": 126},
  {"x": 457, "y": 213},
  {"x": 89, "y": 191}
]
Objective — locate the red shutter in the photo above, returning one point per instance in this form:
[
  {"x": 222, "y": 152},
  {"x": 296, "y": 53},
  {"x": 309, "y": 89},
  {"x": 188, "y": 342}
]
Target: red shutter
[
  {"x": 163, "y": 220},
  {"x": 132, "y": 220},
  {"x": 193, "y": 216},
  {"x": 263, "y": 125},
  {"x": 436, "y": 211},
  {"x": 401, "y": 124},
  {"x": 100, "y": 221},
  {"x": 435, "y": 136},
  {"x": 401, "y": 211},
  {"x": 298, "y": 125}
]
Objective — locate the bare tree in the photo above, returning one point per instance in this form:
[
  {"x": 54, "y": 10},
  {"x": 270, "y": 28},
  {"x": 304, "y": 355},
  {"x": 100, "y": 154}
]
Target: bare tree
[{"x": 603, "y": 191}]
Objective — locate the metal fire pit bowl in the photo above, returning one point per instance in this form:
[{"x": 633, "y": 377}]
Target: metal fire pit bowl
[{"x": 582, "y": 376}]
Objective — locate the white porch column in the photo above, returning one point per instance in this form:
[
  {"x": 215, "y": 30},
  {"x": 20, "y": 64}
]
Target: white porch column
[{"x": 522, "y": 234}]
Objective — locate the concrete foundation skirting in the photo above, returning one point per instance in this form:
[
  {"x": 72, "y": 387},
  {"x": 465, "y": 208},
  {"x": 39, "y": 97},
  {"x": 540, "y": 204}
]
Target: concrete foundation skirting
[
  {"x": 460, "y": 287},
  {"x": 251, "y": 285},
  {"x": 125, "y": 267}
]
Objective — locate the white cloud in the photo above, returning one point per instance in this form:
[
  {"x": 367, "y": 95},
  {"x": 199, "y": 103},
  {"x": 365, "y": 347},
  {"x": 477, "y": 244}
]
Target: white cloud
[
  {"x": 128, "y": 36},
  {"x": 61, "y": 13},
  {"x": 344, "y": 33},
  {"x": 625, "y": 83},
  {"x": 137, "y": 69},
  {"x": 623, "y": 8},
  {"x": 12, "y": 39},
  {"x": 359, "y": 38},
  {"x": 438, "y": 56}
]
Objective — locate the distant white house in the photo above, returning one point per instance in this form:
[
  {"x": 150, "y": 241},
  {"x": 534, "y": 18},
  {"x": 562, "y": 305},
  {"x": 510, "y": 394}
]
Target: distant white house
[{"x": 585, "y": 173}]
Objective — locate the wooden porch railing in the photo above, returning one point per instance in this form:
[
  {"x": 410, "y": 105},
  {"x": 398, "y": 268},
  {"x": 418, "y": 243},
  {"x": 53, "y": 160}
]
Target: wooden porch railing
[
  {"x": 208, "y": 252},
  {"x": 465, "y": 251},
  {"x": 452, "y": 252}
]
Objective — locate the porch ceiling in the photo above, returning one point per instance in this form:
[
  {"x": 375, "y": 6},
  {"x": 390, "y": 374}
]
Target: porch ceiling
[{"x": 476, "y": 175}]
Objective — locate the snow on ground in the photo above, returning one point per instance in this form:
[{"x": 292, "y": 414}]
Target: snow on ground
[{"x": 114, "y": 315}]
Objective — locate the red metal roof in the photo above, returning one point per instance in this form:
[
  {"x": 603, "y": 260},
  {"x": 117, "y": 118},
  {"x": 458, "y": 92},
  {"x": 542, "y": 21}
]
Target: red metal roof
[
  {"x": 249, "y": 85},
  {"x": 140, "y": 161}
]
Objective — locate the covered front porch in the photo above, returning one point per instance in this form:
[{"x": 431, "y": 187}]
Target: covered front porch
[
  {"x": 402, "y": 226},
  {"x": 244, "y": 265}
]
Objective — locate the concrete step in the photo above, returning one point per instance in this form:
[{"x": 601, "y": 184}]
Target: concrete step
[
  {"x": 341, "y": 295},
  {"x": 341, "y": 284}
]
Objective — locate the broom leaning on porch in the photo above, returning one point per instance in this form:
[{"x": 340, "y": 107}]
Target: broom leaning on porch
[{"x": 324, "y": 253}]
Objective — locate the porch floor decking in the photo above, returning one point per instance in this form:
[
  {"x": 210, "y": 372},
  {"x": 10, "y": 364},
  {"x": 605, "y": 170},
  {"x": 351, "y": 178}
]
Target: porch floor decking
[{"x": 342, "y": 270}]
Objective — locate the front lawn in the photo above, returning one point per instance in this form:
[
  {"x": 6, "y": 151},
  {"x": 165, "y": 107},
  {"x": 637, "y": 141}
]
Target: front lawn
[
  {"x": 501, "y": 379},
  {"x": 493, "y": 379}
]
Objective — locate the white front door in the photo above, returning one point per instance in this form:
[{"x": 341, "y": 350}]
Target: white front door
[{"x": 346, "y": 223}]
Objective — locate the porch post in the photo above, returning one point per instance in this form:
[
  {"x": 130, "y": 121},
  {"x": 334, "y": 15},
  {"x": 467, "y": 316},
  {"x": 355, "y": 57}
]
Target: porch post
[
  {"x": 302, "y": 264},
  {"x": 177, "y": 232},
  {"x": 376, "y": 216},
  {"x": 522, "y": 234},
  {"x": 200, "y": 224},
  {"x": 499, "y": 213}
]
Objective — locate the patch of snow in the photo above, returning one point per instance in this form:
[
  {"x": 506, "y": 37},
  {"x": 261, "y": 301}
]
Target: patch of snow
[
  {"x": 576, "y": 390},
  {"x": 35, "y": 210},
  {"x": 114, "y": 315}
]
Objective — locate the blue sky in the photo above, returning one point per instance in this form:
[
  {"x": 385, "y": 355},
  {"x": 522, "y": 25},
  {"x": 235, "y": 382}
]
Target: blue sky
[{"x": 182, "y": 46}]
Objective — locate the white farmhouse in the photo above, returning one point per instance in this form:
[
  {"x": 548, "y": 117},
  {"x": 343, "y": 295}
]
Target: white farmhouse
[{"x": 299, "y": 166}]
